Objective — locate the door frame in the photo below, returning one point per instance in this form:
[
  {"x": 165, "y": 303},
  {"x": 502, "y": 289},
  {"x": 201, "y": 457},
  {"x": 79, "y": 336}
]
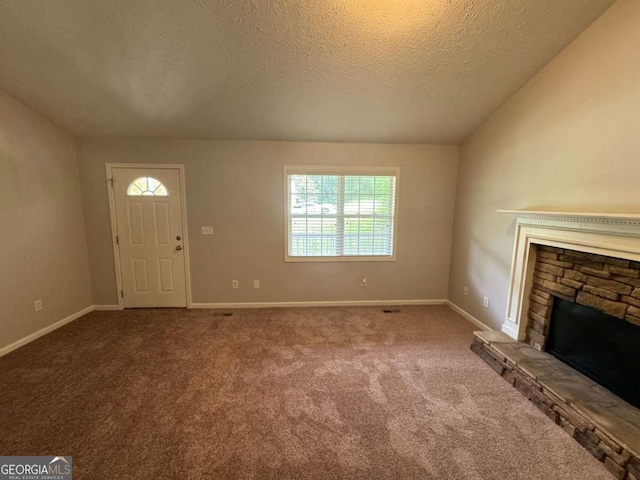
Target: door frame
[{"x": 114, "y": 224}]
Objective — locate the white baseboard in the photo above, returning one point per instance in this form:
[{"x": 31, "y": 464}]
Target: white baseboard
[
  {"x": 468, "y": 316},
  {"x": 30, "y": 338},
  {"x": 337, "y": 303},
  {"x": 100, "y": 308}
]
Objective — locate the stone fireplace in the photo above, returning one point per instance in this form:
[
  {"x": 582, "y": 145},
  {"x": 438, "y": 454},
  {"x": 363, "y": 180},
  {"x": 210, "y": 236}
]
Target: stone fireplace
[
  {"x": 585, "y": 310},
  {"x": 585, "y": 269},
  {"x": 610, "y": 285}
]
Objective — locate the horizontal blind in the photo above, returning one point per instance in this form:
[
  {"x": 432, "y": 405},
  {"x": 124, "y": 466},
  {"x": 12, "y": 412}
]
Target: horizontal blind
[{"x": 350, "y": 215}]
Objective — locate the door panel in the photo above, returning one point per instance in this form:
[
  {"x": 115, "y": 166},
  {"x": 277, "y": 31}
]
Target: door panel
[
  {"x": 140, "y": 280},
  {"x": 149, "y": 223},
  {"x": 166, "y": 274},
  {"x": 136, "y": 223},
  {"x": 163, "y": 224}
]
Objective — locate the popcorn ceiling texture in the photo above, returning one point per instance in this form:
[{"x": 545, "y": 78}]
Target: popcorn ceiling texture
[{"x": 425, "y": 71}]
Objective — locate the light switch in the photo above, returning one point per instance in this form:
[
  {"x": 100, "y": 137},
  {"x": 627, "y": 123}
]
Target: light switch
[{"x": 206, "y": 230}]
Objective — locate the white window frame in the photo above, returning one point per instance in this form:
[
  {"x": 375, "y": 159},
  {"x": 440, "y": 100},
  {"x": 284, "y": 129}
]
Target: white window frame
[{"x": 339, "y": 170}]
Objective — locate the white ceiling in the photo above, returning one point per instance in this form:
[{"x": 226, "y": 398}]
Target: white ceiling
[{"x": 394, "y": 71}]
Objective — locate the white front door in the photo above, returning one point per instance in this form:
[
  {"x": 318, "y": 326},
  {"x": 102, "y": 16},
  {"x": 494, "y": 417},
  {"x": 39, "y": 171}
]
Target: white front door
[{"x": 148, "y": 205}]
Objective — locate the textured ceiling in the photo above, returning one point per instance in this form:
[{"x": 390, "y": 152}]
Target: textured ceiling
[{"x": 426, "y": 71}]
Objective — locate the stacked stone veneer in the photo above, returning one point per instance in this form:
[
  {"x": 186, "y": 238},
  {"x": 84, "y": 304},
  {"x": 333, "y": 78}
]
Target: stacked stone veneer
[{"x": 610, "y": 285}]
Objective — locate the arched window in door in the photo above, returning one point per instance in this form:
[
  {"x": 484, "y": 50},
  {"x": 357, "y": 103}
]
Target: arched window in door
[{"x": 148, "y": 187}]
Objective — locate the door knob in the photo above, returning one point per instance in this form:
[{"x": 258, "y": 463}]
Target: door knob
[{"x": 178, "y": 248}]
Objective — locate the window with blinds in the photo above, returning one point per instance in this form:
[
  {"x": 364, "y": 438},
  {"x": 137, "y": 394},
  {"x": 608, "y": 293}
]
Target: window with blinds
[{"x": 340, "y": 213}]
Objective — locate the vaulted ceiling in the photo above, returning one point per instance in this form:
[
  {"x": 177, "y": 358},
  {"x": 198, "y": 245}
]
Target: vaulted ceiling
[{"x": 393, "y": 71}]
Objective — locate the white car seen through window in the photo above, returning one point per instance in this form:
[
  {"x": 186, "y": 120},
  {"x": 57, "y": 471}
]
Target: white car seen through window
[{"x": 313, "y": 208}]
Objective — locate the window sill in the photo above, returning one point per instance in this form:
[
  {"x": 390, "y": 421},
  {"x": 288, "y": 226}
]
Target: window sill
[{"x": 289, "y": 259}]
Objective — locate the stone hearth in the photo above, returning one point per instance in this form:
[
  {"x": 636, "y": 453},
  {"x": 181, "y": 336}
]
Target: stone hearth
[{"x": 605, "y": 425}]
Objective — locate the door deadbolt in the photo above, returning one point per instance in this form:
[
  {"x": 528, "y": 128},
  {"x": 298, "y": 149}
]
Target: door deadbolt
[{"x": 178, "y": 238}]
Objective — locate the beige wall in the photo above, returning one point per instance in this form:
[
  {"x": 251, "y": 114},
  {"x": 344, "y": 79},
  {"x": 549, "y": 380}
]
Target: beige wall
[
  {"x": 569, "y": 140},
  {"x": 237, "y": 187},
  {"x": 43, "y": 253}
]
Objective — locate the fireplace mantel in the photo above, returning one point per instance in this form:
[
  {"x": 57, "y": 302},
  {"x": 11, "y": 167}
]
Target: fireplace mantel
[
  {"x": 574, "y": 219},
  {"x": 610, "y": 234}
]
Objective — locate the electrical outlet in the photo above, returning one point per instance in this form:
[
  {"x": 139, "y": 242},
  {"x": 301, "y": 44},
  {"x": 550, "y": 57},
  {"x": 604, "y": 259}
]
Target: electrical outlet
[
  {"x": 256, "y": 284},
  {"x": 485, "y": 302},
  {"x": 206, "y": 230},
  {"x": 363, "y": 281},
  {"x": 235, "y": 284},
  {"x": 37, "y": 305},
  {"x": 465, "y": 291}
]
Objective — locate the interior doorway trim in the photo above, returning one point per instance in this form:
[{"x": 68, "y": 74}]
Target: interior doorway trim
[{"x": 114, "y": 226}]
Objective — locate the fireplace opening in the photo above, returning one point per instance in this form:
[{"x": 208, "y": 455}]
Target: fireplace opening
[{"x": 600, "y": 346}]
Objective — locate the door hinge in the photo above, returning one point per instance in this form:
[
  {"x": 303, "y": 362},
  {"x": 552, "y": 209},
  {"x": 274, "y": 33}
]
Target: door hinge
[
  {"x": 117, "y": 240},
  {"x": 111, "y": 181},
  {"x": 122, "y": 293}
]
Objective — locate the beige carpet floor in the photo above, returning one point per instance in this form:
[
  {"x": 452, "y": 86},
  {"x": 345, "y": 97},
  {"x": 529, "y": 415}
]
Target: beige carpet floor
[{"x": 319, "y": 393}]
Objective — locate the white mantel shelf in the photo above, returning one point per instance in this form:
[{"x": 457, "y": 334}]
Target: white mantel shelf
[
  {"x": 610, "y": 234},
  {"x": 598, "y": 217}
]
